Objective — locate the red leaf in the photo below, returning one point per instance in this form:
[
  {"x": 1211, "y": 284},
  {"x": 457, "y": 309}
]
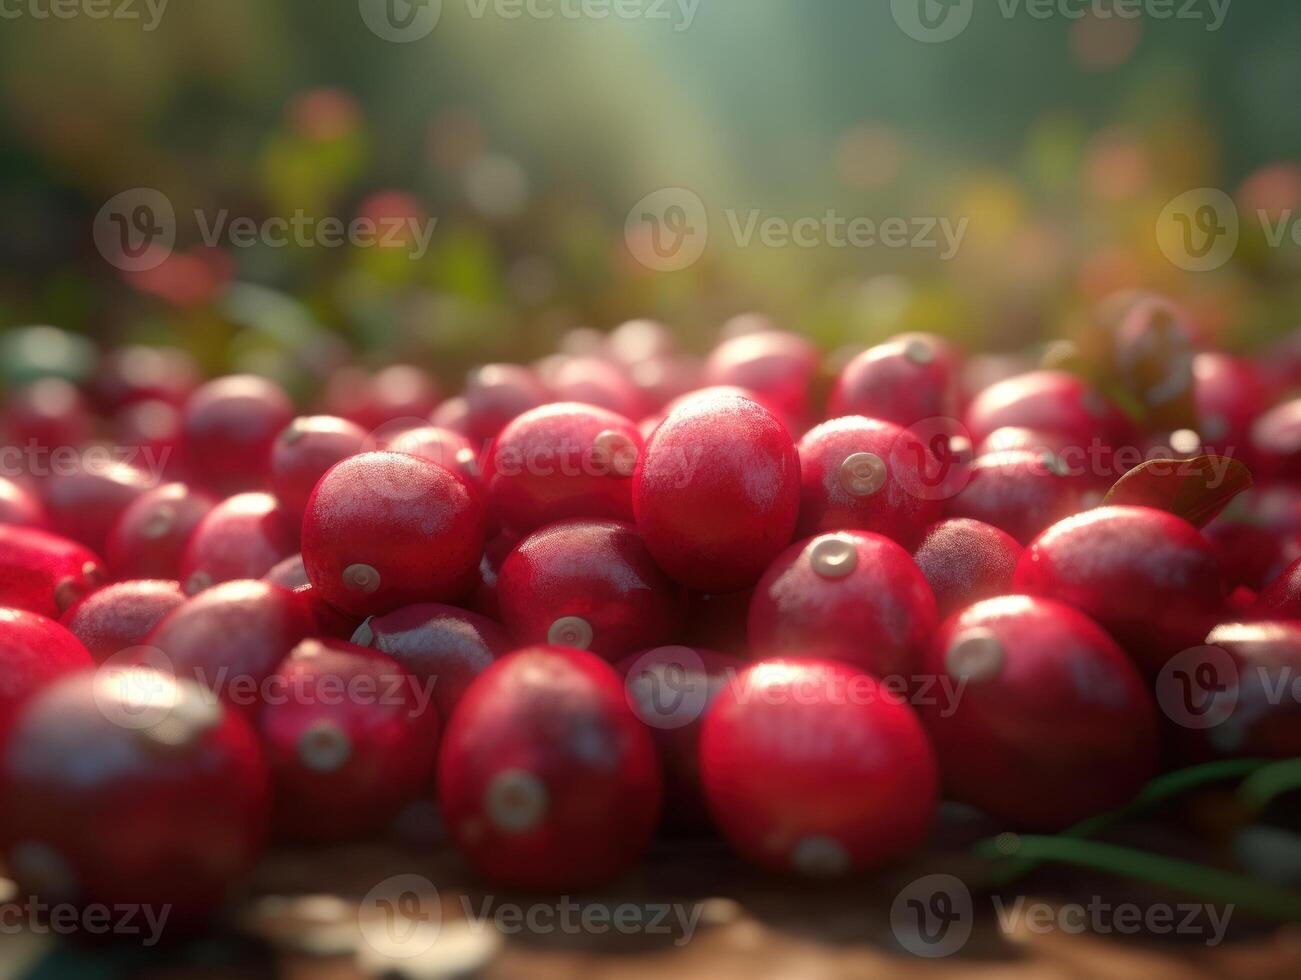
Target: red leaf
[{"x": 1194, "y": 489}]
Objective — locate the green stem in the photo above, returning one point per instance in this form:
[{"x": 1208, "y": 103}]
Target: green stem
[
  {"x": 1272, "y": 781},
  {"x": 1222, "y": 887}
]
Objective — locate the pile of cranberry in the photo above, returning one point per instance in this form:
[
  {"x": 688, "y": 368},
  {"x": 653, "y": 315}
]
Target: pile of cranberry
[{"x": 619, "y": 592}]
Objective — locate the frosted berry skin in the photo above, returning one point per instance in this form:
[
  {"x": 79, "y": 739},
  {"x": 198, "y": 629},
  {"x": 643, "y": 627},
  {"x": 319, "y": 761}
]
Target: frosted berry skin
[
  {"x": 230, "y": 638},
  {"x": 231, "y": 425},
  {"x": 244, "y": 536},
  {"x": 441, "y": 644},
  {"x": 352, "y": 739},
  {"x": 562, "y": 461},
  {"x": 85, "y": 504},
  {"x": 438, "y": 445},
  {"x": 1230, "y": 396},
  {"x": 853, "y": 596},
  {"x": 670, "y": 688},
  {"x": 718, "y": 492},
  {"x": 132, "y": 789},
  {"x": 1050, "y": 401},
  {"x": 303, "y": 452},
  {"x": 34, "y": 652},
  {"x": 50, "y": 412},
  {"x": 849, "y": 479},
  {"x": 905, "y": 380},
  {"x": 1276, "y": 441},
  {"x": 1022, "y": 492},
  {"x": 497, "y": 393},
  {"x": 965, "y": 561},
  {"x": 121, "y": 615},
  {"x": 386, "y": 530},
  {"x": 777, "y": 366},
  {"x": 20, "y": 506},
  {"x": 1148, "y": 577},
  {"x": 591, "y": 585},
  {"x": 149, "y": 538},
  {"x": 815, "y": 768},
  {"x": 1042, "y": 719},
  {"x": 546, "y": 779},
  {"x": 44, "y": 573}
]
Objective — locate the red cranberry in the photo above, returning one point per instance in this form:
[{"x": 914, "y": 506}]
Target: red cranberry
[
  {"x": 853, "y": 596},
  {"x": 142, "y": 374},
  {"x": 149, "y": 537},
  {"x": 966, "y": 561},
  {"x": 1146, "y": 576},
  {"x": 1015, "y": 438},
  {"x": 593, "y": 381},
  {"x": 329, "y": 621},
  {"x": 50, "y": 414},
  {"x": 121, "y": 615},
  {"x": 453, "y": 414},
  {"x": 591, "y": 585},
  {"x": 152, "y": 431},
  {"x": 669, "y": 689},
  {"x": 485, "y": 600},
  {"x": 385, "y": 530},
  {"x": 495, "y": 394},
  {"x": 1230, "y": 396},
  {"x": 1023, "y": 492},
  {"x": 779, "y": 367},
  {"x": 905, "y": 380},
  {"x": 438, "y": 445},
  {"x": 1153, "y": 346},
  {"x": 851, "y": 477},
  {"x": 1276, "y": 441},
  {"x": 34, "y": 651},
  {"x": 664, "y": 379},
  {"x": 717, "y": 493},
  {"x": 230, "y": 427},
  {"x": 44, "y": 573},
  {"x": 244, "y": 536},
  {"x": 1240, "y": 601},
  {"x": 20, "y": 506},
  {"x": 638, "y": 341},
  {"x": 545, "y": 778},
  {"x": 350, "y": 737},
  {"x": 1040, "y": 718},
  {"x": 85, "y": 503},
  {"x": 303, "y": 453},
  {"x": 810, "y": 766},
  {"x": 1250, "y": 554},
  {"x": 290, "y": 573},
  {"x": 132, "y": 789},
  {"x": 230, "y": 638},
  {"x": 561, "y": 461},
  {"x": 1281, "y": 598},
  {"x": 397, "y": 392},
  {"x": 437, "y": 643},
  {"x": 1050, "y": 401}
]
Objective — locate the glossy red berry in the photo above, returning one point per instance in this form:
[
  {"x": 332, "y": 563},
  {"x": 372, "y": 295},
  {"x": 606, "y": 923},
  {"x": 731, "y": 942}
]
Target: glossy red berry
[
  {"x": 966, "y": 561},
  {"x": 453, "y": 414},
  {"x": 20, "y": 506},
  {"x": 778, "y": 366},
  {"x": 231, "y": 425},
  {"x": 597, "y": 382},
  {"x": 1281, "y": 598},
  {"x": 442, "y": 645},
  {"x": 229, "y": 638},
  {"x": 1250, "y": 554},
  {"x": 495, "y": 394},
  {"x": 1023, "y": 492},
  {"x": 438, "y": 445},
  {"x": 84, "y": 503},
  {"x": 290, "y": 573},
  {"x": 150, "y": 536},
  {"x": 34, "y": 651},
  {"x": 244, "y": 536},
  {"x": 670, "y": 689},
  {"x": 1049, "y": 401},
  {"x": 1276, "y": 441},
  {"x": 143, "y": 374},
  {"x": 44, "y": 573},
  {"x": 906, "y": 380},
  {"x": 350, "y": 737},
  {"x": 1040, "y": 718},
  {"x": 546, "y": 779},
  {"x": 48, "y": 414},
  {"x": 304, "y": 451},
  {"x": 132, "y": 788},
  {"x": 591, "y": 585},
  {"x": 864, "y": 474},
  {"x": 718, "y": 492},
  {"x": 386, "y": 530},
  {"x": 853, "y": 596},
  {"x": 121, "y": 615},
  {"x": 1148, "y": 577},
  {"x": 638, "y": 341},
  {"x": 1229, "y": 395},
  {"x": 813, "y": 767},
  {"x": 400, "y": 391},
  {"x": 151, "y": 431},
  {"x": 561, "y": 461}
]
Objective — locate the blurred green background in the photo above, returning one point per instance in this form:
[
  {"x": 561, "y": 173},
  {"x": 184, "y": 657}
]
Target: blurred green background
[{"x": 1058, "y": 139}]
